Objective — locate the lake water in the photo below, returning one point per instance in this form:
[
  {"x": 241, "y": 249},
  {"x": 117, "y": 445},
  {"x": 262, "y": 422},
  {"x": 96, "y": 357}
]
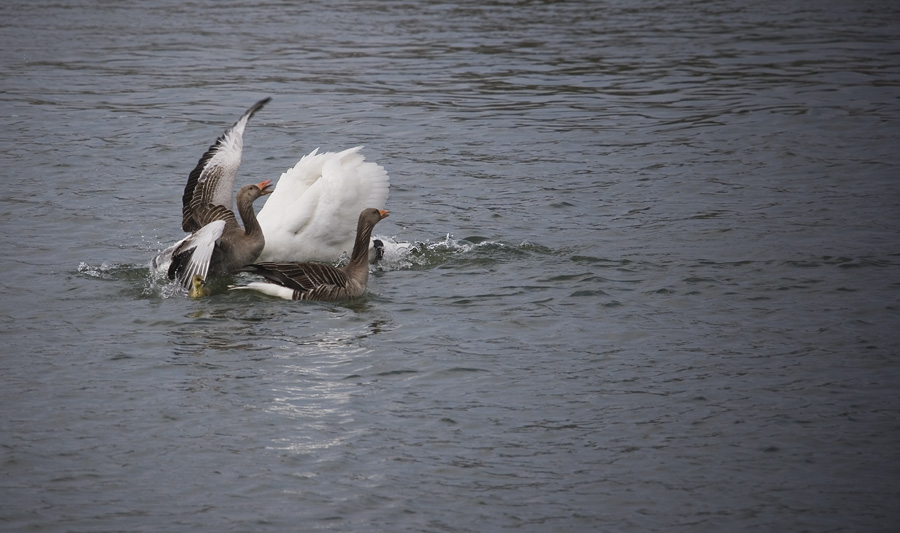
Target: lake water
[{"x": 654, "y": 282}]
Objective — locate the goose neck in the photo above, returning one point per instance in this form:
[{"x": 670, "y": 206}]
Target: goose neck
[{"x": 248, "y": 215}]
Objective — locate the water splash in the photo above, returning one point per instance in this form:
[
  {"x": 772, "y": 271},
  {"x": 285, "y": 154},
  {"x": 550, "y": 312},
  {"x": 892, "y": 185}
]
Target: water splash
[
  {"x": 423, "y": 255},
  {"x": 400, "y": 255},
  {"x": 100, "y": 272},
  {"x": 143, "y": 279}
]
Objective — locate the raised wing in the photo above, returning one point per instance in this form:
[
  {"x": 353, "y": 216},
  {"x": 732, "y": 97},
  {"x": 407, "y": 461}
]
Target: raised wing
[{"x": 212, "y": 180}]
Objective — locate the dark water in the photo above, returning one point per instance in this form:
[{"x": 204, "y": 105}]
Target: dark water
[{"x": 654, "y": 283}]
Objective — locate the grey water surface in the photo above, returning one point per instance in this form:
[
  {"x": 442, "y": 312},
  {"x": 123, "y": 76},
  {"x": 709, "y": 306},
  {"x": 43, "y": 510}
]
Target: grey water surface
[{"x": 653, "y": 283}]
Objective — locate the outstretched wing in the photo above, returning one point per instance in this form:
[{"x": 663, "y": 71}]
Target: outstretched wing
[{"x": 212, "y": 180}]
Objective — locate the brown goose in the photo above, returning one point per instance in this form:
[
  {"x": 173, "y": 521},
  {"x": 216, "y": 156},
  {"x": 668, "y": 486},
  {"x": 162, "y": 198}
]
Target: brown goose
[
  {"x": 220, "y": 245},
  {"x": 318, "y": 281},
  {"x": 210, "y": 184}
]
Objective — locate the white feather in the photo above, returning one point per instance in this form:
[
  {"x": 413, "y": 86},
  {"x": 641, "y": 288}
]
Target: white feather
[
  {"x": 312, "y": 214},
  {"x": 267, "y": 288},
  {"x": 202, "y": 242}
]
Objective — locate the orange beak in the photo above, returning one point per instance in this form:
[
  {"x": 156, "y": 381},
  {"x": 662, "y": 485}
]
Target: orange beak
[
  {"x": 384, "y": 213},
  {"x": 264, "y": 187}
]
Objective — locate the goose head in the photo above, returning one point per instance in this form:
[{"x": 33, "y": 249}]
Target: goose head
[
  {"x": 249, "y": 193},
  {"x": 372, "y": 216}
]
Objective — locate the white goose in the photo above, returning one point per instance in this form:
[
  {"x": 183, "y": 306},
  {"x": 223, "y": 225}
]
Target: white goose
[{"x": 312, "y": 214}]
